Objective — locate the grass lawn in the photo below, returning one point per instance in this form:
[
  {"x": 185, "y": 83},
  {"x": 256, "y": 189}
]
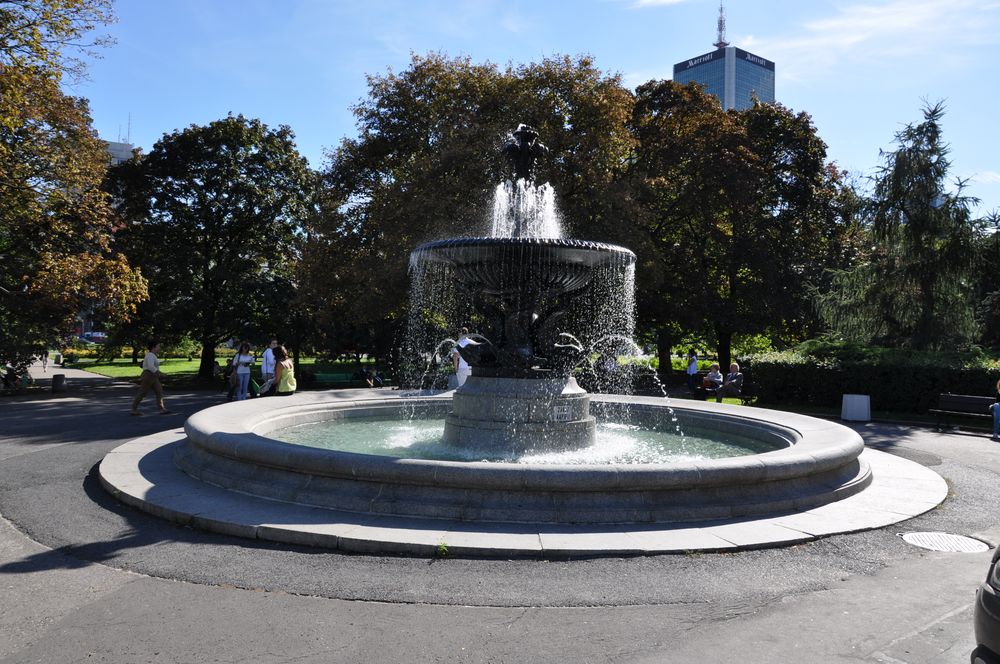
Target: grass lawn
[{"x": 181, "y": 372}]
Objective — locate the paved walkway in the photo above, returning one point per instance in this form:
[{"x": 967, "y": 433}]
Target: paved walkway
[{"x": 89, "y": 579}]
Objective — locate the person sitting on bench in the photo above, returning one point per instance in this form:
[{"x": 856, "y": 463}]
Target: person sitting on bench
[
  {"x": 732, "y": 384},
  {"x": 714, "y": 379}
]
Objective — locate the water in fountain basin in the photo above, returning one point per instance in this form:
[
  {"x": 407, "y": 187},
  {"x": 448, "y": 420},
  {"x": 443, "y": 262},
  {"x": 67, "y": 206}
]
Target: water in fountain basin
[{"x": 615, "y": 443}]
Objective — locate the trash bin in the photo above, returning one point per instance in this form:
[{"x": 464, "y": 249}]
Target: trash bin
[
  {"x": 856, "y": 408},
  {"x": 57, "y": 358},
  {"x": 58, "y": 382}
]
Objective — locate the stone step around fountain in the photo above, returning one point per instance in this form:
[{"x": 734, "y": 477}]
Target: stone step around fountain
[{"x": 142, "y": 474}]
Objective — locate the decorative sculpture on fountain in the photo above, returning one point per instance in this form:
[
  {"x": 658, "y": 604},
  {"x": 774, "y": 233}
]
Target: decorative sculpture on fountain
[{"x": 523, "y": 150}]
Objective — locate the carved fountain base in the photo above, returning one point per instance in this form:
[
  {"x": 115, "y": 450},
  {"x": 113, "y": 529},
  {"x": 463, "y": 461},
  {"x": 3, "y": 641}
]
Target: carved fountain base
[{"x": 520, "y": 414}]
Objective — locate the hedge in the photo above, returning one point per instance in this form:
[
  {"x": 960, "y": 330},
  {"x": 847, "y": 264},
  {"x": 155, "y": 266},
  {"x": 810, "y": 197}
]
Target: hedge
[{"x": 899, "y": 383}]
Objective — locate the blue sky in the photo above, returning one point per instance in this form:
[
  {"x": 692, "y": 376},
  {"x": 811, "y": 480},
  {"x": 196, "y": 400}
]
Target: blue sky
[{"x": 861, "y": 68}]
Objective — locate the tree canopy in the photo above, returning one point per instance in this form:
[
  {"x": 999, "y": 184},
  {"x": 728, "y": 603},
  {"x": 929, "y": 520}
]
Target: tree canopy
[
  {"x": 425, "y": 164},
  {"x": 915, "y": 285},
  {"x": 213, "y": 214},
  {"x": 736, "y": 211},
  {"x": 56, "y": 230}
]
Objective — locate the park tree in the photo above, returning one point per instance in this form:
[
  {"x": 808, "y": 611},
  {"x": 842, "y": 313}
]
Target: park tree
[
  {"x": 213, "y": 214},
  {"x": 737, "y": 212},
  {"x": 987, "y": 286},
  {"x": 52, "y": 36},
  {"x": 915, "y": 285},
  {"x": 56, "y": 228},
  {"x": 426, "y": 162}
]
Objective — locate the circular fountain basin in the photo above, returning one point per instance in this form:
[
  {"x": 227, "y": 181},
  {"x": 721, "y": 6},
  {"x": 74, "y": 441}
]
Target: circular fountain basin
[{"x": 812, "y": 463}]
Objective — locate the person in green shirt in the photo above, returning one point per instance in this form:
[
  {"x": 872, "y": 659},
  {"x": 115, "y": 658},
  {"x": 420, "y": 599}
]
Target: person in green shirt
[{"x": 284, "y": 372}]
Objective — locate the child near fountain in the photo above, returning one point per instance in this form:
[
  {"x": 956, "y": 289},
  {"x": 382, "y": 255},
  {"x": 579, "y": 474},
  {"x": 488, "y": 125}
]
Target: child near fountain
[{"x": 462, "y": 368}]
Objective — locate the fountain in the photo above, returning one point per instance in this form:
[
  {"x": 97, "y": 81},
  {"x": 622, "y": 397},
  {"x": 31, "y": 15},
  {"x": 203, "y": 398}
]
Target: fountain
[
  {"x": 521, "y": 394},
  {"x": 536, "y": 299}
]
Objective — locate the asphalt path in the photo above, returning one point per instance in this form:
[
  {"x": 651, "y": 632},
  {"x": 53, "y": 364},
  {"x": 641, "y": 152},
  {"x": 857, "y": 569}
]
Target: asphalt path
[{"x": 89, "y": 579}]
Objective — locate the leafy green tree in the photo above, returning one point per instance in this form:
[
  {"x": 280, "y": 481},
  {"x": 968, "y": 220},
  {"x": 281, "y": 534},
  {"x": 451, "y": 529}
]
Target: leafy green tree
[
  {"x": 213, "y": 215},
  {"x": 56, "y": 231},
  {"x": 737, "y": 212},
  {"x": 987, "y": 286},
  {"x": 50, "y": 35},
  {"x": 915, "y": 286},
  {"x": 424, "y": 167}
]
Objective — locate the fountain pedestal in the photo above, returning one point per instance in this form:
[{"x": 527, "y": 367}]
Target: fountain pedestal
[{"x": 541, "y": 414}]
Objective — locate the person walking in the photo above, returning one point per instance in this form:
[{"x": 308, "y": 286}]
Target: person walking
[
  {"x": 243, "y": 360},
  {"x": 44, "y": 357},
  {"x": 149, "y": 379},
  {"x": 284, "y": 373}
]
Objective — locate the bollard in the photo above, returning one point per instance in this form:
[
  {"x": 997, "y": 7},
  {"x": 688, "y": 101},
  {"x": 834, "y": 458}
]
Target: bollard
[{"x": 58, "y": 382}]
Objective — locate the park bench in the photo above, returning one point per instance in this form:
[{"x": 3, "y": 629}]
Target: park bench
[
  {"x": 747, "y": 395},
  {"x": 963, "y": 405}
]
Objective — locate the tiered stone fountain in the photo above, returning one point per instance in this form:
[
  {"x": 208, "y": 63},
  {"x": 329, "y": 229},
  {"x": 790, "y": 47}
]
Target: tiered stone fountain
[{"x": 520, "y": 397}]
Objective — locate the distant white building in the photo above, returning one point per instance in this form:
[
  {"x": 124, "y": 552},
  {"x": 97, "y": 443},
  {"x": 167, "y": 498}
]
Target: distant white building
[{"x": 119, "y": 152}]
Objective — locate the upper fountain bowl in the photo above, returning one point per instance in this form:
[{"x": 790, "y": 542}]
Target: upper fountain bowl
[{"x": 497, "y": 265}]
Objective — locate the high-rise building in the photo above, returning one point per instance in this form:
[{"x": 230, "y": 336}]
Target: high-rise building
[
  {"x": 733, "y": 75},
  {"x": 118, "y": 151}
]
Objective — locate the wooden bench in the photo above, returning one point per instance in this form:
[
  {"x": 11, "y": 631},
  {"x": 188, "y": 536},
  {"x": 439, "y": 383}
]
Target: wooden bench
[
  {"x": 963, "y": 405},
  {"x": 747, "y": 395}
]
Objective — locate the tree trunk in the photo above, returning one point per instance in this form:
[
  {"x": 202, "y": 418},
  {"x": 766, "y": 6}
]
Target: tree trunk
[
  {"x": 725, "y": 339},
  {"x": 924, "y": 334},
  {"x": 664, "y": 344},
  {"x": 206, "y": 370}
]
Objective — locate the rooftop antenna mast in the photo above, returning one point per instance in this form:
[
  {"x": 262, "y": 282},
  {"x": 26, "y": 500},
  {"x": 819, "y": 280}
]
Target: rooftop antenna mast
[{"x": 722, "y": 43}]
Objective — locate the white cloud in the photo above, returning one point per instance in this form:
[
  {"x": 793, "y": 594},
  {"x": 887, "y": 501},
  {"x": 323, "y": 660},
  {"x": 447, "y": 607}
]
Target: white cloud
[
  {"x": 878, "y": 31},
  {"x": 515, "y": 23},
  {"x": 641, "y": 4},
  {"x": 986, "y": 177}
]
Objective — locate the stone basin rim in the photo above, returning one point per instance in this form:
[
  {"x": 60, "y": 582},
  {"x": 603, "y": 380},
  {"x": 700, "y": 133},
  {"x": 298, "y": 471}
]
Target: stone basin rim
[
  {"x": 240, "y": 434},
  {"x": 428, "y": 248}
]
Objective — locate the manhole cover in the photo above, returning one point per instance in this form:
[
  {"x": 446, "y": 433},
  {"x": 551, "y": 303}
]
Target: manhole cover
[{"x": 945, "y": 542}]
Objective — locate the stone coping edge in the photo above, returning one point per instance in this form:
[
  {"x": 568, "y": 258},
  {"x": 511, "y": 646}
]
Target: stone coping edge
[
  {"x": 141, "y": 473},
  {"x": 238, "y": 431}
]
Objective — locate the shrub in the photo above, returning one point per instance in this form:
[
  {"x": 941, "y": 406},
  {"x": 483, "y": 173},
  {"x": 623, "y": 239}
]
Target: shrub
[
  {"x": 896, "y": 379},
  {"x": 185, "y": 347}
]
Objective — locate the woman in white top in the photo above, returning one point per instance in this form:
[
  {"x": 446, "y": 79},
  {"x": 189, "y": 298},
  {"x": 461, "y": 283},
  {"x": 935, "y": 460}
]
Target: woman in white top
[
  {"x": 150, "y": 380},
  {"x": 692, "y": 370},
  {"x": 242, "y": 361}
]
